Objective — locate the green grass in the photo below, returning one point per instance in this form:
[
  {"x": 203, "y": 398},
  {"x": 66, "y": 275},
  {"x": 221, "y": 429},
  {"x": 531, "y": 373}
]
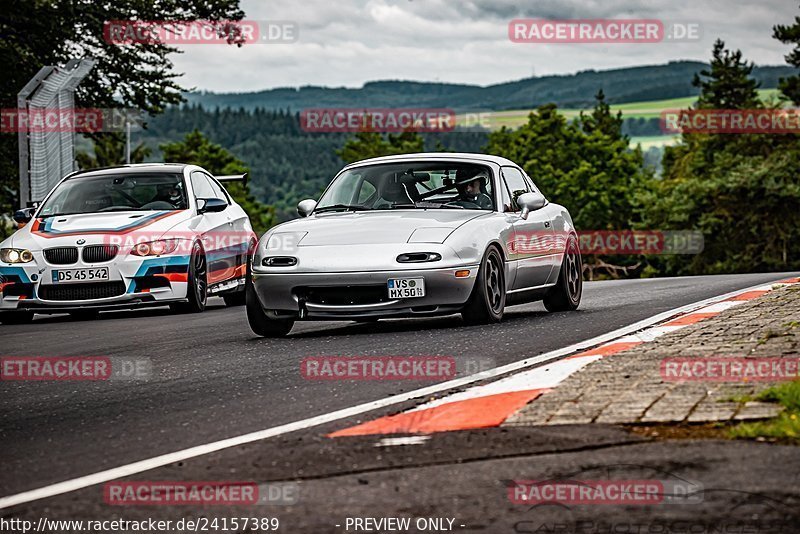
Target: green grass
[
  {"x": 631, "y": 110},
  {"x": 786, "y": 426}
]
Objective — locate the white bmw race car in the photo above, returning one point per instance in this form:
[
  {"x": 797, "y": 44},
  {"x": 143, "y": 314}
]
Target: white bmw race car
[{"x": 123, "y": 237}]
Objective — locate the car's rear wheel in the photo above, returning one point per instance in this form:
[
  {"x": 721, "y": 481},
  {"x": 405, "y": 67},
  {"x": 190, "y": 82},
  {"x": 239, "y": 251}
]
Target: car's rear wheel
[
  {"x": 197, "y": 290},
  {"x": 16, "y": 317},
  {"x": 488, "y": 299},
  {"x": 566, "y": 294},
  {"x": 260, "y": 323}
]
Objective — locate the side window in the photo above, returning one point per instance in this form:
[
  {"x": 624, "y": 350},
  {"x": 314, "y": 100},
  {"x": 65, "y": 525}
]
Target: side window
[
  {"x": 219, "y": 191},
  {"x": 516, "y": 184},
  {"x": 201, "y": 186}
]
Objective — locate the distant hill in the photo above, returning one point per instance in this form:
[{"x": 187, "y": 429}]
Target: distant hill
[{"x": 635, "y": 84}]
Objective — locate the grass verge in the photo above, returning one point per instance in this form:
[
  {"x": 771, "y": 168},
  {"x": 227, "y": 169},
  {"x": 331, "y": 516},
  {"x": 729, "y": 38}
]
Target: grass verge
[{"x": 785, "y": 427}]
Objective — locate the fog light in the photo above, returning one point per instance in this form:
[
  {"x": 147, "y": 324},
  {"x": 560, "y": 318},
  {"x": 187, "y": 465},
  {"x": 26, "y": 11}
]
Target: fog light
[{"x": 462, "y": 274}]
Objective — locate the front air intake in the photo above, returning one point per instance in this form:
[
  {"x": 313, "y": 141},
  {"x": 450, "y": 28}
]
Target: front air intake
[
  {"x": 279, "y": 261},
  {"x": 418, "y": 257}
]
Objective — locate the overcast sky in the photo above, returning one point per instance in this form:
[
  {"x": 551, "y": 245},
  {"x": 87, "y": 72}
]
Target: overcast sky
[{"x": 349, "y": 42}]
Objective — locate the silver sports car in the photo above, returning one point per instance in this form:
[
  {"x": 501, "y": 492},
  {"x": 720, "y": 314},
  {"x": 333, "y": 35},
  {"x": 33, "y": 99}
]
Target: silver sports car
[{"x": 416, "y": 235}]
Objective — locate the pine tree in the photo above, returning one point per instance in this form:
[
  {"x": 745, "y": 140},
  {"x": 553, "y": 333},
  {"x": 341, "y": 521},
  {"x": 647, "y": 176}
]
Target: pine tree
[{"x": 728, "y": 83}]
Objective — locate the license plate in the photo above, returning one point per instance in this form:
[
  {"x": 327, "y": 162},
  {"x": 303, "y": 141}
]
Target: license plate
[
  {"x": 406, "y": 288},
  {"x": 65, "y": 276}
]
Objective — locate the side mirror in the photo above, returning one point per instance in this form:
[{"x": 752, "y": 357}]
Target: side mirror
[
  {"x": 23, "y": 216},
  {"x": 211, "y": 205},
  {"x": 529, "y": 202},
  {"x": 305, "y": 207}
]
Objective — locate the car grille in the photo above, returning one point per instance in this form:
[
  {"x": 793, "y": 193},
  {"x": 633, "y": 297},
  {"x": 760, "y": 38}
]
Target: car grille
[
  {"x": 61, "y": 255},
  {"x": 99, "y": 253},
  {"x": 343, "y": 295},
  {"x": 97, "y": 290}
]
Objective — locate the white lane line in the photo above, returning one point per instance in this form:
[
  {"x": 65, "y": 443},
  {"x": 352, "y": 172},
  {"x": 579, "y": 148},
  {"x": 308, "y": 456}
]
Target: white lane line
[
  {"x": 544, "y": 377},
  {"x": 200, "y": 450}
]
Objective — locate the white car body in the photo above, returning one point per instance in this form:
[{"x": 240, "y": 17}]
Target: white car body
[{"x": 132, "y": 280}]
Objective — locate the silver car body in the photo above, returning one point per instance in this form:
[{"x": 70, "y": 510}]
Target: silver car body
[{"x": 346, "y": 252}]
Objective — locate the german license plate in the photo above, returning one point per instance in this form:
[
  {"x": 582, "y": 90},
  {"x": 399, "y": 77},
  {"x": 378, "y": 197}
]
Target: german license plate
[
  {"x": 406, "y": 288},
  {"x": 65, "y": 276}
]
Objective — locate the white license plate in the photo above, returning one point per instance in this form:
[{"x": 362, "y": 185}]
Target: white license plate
[
  {"x": 406, "y": 288},
  {"x": 65, "y": 276}
]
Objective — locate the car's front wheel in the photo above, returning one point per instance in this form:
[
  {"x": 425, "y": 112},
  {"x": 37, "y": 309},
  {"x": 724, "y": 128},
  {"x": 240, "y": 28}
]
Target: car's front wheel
[
  {"x": 260, "y": 323},
  {"x": 566, "y": 294},
  {"x": 197, "y": 290},
  {"x": 488, "y": 299},
  {"x": 16, "y": 317}
]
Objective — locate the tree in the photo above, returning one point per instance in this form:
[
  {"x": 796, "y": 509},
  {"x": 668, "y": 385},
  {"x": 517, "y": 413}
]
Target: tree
[
  {"x": 196, "y": 149},
  {"x": 740, "y": 191},
  {"x": 586, "y": 165},
  {"x": 369, "y": 144},
  {"x": 49, "y": 32},
  {"x": 790, "y": 34},
  {"x": 727, "y": 83},
  {"x": 109, "y": 150}
]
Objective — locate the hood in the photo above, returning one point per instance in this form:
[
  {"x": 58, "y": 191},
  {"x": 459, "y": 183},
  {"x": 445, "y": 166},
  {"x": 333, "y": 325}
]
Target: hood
[
  {"x": 379, "y": 227},
  {"x": 94, "y": 228}
]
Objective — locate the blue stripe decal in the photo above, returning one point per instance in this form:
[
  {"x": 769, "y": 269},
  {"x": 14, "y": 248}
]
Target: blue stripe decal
[
  {"x": 14, "y": 271},
  {"x": 166, "y": 261},
  {"x": 48, "y": 225}
]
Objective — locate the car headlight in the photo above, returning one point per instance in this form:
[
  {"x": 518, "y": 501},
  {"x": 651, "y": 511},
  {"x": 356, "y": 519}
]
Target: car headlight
[
  {"x": 155, "y": 248},
  {"x": 15, "y": 255}
]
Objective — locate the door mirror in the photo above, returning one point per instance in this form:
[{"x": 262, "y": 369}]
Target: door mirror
[
  {"x": 211, "y": 205},
  {"x": 305, "y": 207},
  {"x": 529, "y": 202},
  {"x": 24, "y": 216}
]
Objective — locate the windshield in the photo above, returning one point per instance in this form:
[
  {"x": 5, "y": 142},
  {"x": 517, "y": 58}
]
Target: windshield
[
  {"x": 439, "y": 185},
  {"x": 117, "y": 192}
]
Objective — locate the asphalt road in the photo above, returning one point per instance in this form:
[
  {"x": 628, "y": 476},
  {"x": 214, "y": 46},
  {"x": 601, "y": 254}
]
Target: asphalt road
[{"x": 213, "y": 379}]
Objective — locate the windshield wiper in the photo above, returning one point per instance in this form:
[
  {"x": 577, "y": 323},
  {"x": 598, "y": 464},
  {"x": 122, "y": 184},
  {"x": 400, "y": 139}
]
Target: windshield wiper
[
  {"x": 341, "y": 207},
  {"x": 399, "y": 205}
]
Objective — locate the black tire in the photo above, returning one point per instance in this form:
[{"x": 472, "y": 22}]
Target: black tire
[
  {"x": 260, "y": 323},
  {"x": 197, "y": 290},
  {"x": 239, "y": 297},
  {"x": 566, "y": 294},
  {"x": 16, "y": 317},
  {"x": 488, "y": 299},
  {"x": 84, "y": 315}
]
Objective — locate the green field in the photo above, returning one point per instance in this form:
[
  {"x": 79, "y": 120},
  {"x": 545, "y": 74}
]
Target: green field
[{"x": 633, "y": 110}]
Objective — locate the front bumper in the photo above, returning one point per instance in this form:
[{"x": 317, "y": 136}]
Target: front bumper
[
  {"x": 132, "y": 282},
  {"x": 291, "y": 295}
]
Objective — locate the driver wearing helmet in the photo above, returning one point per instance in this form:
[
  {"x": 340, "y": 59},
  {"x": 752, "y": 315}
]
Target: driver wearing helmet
[
  {"x": 470, "y": 192},
  {"x": 169, "y": 193}
]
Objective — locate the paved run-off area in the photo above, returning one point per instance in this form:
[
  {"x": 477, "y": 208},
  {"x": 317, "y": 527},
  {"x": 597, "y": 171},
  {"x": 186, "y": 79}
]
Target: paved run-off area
[{"x": 634, "y": 386}]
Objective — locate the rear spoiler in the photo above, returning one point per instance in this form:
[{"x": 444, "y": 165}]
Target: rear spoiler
[{"x": 233, "y": 178}]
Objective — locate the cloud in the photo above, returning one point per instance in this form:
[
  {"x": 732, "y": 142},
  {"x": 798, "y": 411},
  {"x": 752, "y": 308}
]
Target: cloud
[{"x": 349, "y": 42}]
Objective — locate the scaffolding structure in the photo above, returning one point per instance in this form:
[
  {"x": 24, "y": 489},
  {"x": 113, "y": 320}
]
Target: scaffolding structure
[{"x": 47, "y": 156}]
